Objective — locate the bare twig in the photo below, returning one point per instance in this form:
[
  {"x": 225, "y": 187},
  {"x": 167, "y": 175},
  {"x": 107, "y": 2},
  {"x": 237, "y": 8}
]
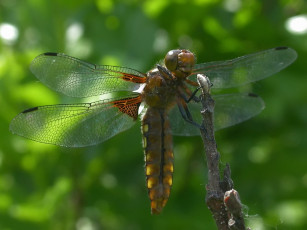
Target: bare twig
[{"x": 221, "y": 199}]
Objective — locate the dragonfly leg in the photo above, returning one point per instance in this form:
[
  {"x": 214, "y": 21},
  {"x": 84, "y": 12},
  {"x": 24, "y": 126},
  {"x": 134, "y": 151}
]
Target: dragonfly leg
[
  {"x": 185, "y": 113},
  {"x": 195, "y": 98},
  {"x": 165, "y": 73},
  {"x": 186, "y": 94},
  {"x": 184, "y": 90}
]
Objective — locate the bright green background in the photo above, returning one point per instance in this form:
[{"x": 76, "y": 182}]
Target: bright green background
[{"x": 103, "y": 187}]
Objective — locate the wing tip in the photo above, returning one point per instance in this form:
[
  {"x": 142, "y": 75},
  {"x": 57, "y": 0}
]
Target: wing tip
[
  {"x": 253, "y": 95},
  {"x": 257, "y": 97},
  {"x": 30, "y": 110},
  {"x": 282, "y": 48},
  {"x": 288, "y": 49},
  {"x": 50, "y": 54}
]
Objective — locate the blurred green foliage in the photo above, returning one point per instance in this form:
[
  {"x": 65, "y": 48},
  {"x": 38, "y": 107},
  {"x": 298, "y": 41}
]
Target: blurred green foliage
[{"x": 103, "y": 187}]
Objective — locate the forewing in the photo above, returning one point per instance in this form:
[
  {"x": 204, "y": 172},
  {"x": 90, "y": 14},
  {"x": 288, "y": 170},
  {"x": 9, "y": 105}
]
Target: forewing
[
  {"x": 75, "y": 125},
  {"x": 230, "y": 109},
  {"x": 246, "y": 69},
  {"x": 77, "y": 78}
]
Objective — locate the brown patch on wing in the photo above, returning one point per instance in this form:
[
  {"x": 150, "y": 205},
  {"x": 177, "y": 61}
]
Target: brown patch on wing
[
  {"x": 133, "y": 78},
  {"x": 130, "y": 106}
]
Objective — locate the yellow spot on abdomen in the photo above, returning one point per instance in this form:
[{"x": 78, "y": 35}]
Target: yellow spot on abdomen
[
  {"x": 152, "y": 169},
  {"x": 145, "y": 128},
  {"x": 151, "y": 182},
  {"x": 168, "y": 167},
  {"x": 168, "y": 179}
]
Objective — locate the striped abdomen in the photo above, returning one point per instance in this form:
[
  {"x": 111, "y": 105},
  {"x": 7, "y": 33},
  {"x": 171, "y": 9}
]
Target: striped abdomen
[{"x": 159, "y": 157}]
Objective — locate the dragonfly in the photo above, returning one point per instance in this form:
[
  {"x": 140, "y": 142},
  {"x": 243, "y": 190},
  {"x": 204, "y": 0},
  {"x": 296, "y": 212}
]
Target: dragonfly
[{"x": 163, "y": 98}]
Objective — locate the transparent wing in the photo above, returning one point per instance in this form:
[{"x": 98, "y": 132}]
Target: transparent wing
[
  {"x": 230, "y": 109},
  {"x": 75, "y": 125},
  {"x": 77, "y": 78},
  {"x": 246, "y": 69}
]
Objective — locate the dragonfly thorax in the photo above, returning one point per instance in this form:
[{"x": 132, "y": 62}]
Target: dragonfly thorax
[{"x": 158, "y": 91}]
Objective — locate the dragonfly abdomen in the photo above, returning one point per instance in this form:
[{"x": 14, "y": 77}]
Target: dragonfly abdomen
[{"x": 159, "y": 157}]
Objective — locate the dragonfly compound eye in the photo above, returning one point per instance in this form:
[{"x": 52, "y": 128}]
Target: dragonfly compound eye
[
  {"x": 171, "y": 59},
  {"x": 186, "y": 61}
]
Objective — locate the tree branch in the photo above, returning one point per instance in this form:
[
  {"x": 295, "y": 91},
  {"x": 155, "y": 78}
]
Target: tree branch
[{"x": 222, "y": 200}]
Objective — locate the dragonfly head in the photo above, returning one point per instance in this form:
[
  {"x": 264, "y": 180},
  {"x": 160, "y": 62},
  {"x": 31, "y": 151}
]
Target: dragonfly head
[{"x": 180, "y": 62}]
